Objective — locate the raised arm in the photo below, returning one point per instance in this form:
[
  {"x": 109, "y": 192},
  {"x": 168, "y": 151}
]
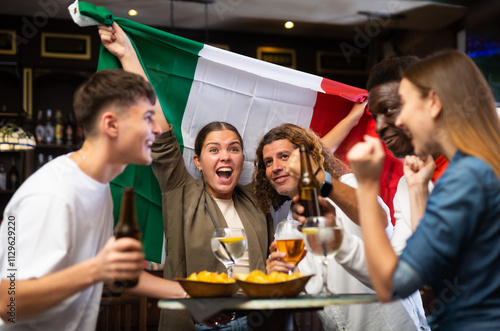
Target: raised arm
[
  {"x": 118, "y": 259},
  {"x": 418, "y": 173},
  {"x": 117, "y": 43},
  {"x": 339, "y": 132},
  {"x": 367, "y": 160}
]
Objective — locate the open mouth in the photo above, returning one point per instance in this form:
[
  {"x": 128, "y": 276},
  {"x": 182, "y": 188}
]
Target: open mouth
[
  {"x": 149, "y": 143},
  {"x": 224, "y": 173}
]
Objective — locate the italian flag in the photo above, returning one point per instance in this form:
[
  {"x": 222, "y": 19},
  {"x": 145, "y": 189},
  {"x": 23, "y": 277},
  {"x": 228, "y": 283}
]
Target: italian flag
[{"x": 197, "y": 84}]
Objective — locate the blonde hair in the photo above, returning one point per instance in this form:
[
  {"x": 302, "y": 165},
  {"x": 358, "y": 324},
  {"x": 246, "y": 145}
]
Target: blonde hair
[{"x": 468, "y": 107}]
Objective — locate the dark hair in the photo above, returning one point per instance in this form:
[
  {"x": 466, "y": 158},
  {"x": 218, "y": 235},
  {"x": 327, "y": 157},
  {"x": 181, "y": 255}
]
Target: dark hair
[
  {"x": 109, "y": 88},
  {"x": 389, "y": 70},
  {"x": 210, "y": 127},
  {"x": 264, "y": 192}
]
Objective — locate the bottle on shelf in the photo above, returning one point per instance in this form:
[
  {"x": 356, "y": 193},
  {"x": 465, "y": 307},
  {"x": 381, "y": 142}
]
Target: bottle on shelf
[
  {"x": 13, "y": 177},
  {"x": 308, "y": 185},
  {"x": 59, "y": 128},
  {"x": 50, "y": 158},
  {"x": 3, "y": 178},
  {"x": 39, "y": 128},
  {"x": 41, "y": 160},
  {"x": 49, "y": 128},
  {"x": 69, "y": 129},
  {"x": 127, "y": 227},
  {"x": 78, "y": 135}
]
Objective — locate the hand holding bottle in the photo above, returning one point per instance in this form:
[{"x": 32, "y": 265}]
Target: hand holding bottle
[
  {"x": 308, "y": 185},
  {"x": 119, "y": 260},
  {"x": 293, "y": 164},
  {"x": 327, "y": 208},
  {"x": 127, "y": 228}
]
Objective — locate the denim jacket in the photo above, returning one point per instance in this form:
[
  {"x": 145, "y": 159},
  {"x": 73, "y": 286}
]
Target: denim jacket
[{"x": 456, "y": 248}]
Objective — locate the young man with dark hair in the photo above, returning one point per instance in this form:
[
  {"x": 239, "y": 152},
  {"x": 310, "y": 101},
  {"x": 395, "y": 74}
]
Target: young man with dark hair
[{"x": 61, "y": 218}]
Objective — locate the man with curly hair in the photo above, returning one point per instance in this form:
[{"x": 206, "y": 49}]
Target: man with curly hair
[
  {"x": 273, "y": 186},
  {"x": 276, "y": 173}
]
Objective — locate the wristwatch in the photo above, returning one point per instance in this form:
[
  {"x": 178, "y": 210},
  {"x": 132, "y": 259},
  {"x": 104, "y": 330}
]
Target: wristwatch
[{"x": 326, "y": 187}]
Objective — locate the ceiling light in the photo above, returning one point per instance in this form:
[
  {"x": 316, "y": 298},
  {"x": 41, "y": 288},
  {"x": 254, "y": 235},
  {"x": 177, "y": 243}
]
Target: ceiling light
[
  {"x": 132, "y": 12},
  {"x": 289, "y": 25}
]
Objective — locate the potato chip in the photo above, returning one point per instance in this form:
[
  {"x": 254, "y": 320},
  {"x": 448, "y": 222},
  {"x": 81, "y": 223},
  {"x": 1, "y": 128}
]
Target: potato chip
[
  {"x": 257, "y": 276},
  {"x": 210, "y": 277}
]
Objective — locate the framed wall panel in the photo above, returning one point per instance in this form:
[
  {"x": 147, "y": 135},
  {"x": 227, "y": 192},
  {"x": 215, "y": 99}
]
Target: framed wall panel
[
  {"x": 221, "y": 46},
  {"x": 28, "y": 91},
  {"x": 336, "y": 62},
  {"x": 66, "y": 46},
  {"x": 8, "y": 42},
  {"x": 281, "y": 56}
]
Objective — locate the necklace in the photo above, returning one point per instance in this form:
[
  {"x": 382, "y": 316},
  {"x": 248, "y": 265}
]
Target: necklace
[{"x": 85, "y": 161}]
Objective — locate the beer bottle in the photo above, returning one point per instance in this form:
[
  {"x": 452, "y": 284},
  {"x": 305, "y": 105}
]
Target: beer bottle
[
  {"x": 127, "y": 227},
  {"x": 308, "y": 185},
  {"x": 68, "y": 130},
  {"x": 49, "y": 128},
  {"x": 39, "y": 128},
  {"x": 13, "y": 177},
  {"x": 3, "y": 178},
  {"x": 59, "y": 128}
]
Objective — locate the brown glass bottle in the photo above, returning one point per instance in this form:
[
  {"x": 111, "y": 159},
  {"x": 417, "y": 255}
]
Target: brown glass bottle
[
  {"x": 308, "y": 185},
  {"x": 127, "y": 227}
]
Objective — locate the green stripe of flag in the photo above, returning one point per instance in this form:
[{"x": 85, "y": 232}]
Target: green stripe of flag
[{"x": 170, "y": 63}]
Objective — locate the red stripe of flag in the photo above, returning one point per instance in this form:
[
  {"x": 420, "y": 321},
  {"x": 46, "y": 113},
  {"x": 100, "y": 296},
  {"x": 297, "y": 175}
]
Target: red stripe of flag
[{"x": 330, "y": 108}]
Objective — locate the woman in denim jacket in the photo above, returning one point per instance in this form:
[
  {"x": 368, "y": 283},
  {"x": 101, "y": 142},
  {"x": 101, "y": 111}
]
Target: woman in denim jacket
[{"x": 447, "y": 107}]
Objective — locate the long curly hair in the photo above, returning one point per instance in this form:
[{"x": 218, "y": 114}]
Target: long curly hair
[{"x": 264, "y": 193}]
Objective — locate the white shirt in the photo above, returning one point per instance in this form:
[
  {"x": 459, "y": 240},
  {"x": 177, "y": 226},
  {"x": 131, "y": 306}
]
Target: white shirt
[
  {"x": 63, "y": 217},
  {"x": 402, "y": 214}
]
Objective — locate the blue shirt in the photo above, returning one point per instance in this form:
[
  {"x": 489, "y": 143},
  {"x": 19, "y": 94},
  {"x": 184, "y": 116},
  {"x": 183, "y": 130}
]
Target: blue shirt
[{"x": 456, "y": 248}]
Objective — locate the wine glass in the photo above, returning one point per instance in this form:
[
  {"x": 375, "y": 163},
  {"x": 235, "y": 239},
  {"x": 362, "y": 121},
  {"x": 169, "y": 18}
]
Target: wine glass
[
  {"x": 229, "y": 245},
  {"x": 323, "y": 238},
  {"x": 290, "y": 241}
]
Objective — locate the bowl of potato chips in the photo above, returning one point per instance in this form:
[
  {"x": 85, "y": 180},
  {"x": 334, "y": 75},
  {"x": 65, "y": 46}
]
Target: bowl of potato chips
[
  {"x": 207, "y": 284},
  {"x": 257, "y": 284}
]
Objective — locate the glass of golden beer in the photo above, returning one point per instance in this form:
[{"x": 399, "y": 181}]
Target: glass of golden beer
[{"x": 289, "y": 240}]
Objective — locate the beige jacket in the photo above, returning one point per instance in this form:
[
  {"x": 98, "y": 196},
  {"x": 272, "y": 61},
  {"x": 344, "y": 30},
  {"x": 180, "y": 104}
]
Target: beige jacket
[{"x": 188, "y": 227}]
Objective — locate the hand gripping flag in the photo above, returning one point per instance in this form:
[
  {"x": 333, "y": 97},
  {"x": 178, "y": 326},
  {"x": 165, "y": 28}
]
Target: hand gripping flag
[{"x": 197, "y": 84}]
